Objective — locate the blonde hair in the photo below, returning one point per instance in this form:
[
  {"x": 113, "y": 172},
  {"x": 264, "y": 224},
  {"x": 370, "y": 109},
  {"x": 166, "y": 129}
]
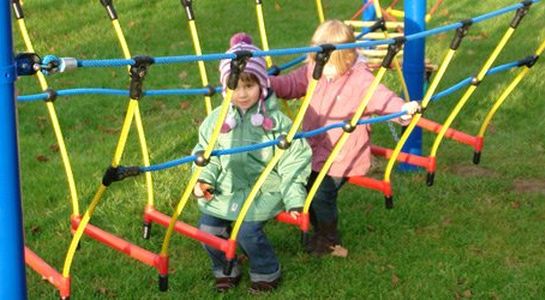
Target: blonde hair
[{"x": 336, "y": 32}]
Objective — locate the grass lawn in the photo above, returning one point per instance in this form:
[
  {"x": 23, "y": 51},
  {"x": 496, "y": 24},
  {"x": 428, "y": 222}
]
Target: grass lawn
[{"x": 478, "y": 232}]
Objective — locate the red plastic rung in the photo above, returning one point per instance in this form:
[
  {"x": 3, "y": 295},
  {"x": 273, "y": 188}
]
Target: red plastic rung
[
  {"x": 211, "y": 240},
  {"x": 413, "y": 159},
  {"x": 371, "y": 183},
  {"x": 119, "y": 244},
  {"x": 451, "y": 133},
  {"x": 48, "y": 273}
]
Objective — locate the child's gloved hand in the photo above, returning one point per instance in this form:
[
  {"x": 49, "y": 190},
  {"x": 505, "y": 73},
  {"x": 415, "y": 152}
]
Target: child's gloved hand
[
  {"x": 411, "y": 108},
  {"x": 203, "y": 190},
  {"x": 295, "y": 212}
]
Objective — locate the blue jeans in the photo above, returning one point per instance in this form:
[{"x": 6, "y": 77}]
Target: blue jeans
[
  {"x": 323, "y": 208},
  {"x": 264, "y": 265}
]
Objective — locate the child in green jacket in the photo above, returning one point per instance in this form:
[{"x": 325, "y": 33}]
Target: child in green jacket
[{"x": 225, "y": 181}]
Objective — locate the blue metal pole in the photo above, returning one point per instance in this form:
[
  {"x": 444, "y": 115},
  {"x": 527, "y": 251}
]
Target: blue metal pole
[
  {"x": 12, "y": 266},
  {"x": 413, "y": 68},
  {"x": 368, "y": 14}
]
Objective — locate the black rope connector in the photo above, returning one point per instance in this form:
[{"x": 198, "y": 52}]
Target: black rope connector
[
  {"x": 114, "y": 174},
  {"x": 348, "y": 127},
  {"x": 187, "y": 4},
  {"x": 521, "y": 12},
  {"x": 237, "y": 66},
  {"x": 137, "y": 73},
  {"x": 274, "y": 70},
  {"x": 283, "y": 142},
  {"x": 27, "y": 63},
  {"x": 379, "y": 24},
  {"x": 211, "y": 90},
  {"x": 17, "y": 9},
  {"x": 200, "y": 160},
  {"x": 321, "y": 59},
  {"x": 529, "y": 61},
  {"x": 475, "y": 81},
  {"x": 109, "y": 6},
  {"x": 461, "y": 32},
  {"x": 393, "y": 49},
  {"x": 51, "y": 95}
]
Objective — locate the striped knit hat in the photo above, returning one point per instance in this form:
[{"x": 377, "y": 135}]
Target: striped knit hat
[{"x": 254, "y": 65}]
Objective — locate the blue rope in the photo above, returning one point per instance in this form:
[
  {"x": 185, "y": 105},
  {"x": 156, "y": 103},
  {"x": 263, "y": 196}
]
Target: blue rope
[
  {"x": 467, "y": 81},
  {"x": 99, "y": 91},
  {"x": 301, "y": 50},
  {"x": 247, "y": 148}
]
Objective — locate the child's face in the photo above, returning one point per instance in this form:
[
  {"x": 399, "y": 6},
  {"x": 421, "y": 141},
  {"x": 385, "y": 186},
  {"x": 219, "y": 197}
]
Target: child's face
[{"x": 246, "y": 94}]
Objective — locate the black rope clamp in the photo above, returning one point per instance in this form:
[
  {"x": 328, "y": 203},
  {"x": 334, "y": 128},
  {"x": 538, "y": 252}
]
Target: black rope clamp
[
  {"x": 114, "y": 174},
  {"x": 237, "y": 66},
  {"x": 461, "y": 32},
  {"x": 109, "y": 6},
  {"x": 27, "y": 63},
  {"x": 283, "y": 142},
  {"x": 521, "y": 12},
  {"x": 17, "y": 9},
  {"x": 379, "y": 24},
  {"x": 188, "y": 5},
  {"x": 348, "y": 127},
  {"x": 393, "y": 49},
  {"x": 200, "y": 160},
  {"x": 321, "y": 59},
  {"x": 137, "y": 73},
  {"x": 529, "y": 61},
  {"x": 274, "y": 70},
  {"x": 51, "y": 95},
  {"x": 211, "y": 90}
]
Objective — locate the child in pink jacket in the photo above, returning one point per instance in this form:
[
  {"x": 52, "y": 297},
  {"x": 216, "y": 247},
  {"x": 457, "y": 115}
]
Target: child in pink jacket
[{"x": 344, "y": 82}]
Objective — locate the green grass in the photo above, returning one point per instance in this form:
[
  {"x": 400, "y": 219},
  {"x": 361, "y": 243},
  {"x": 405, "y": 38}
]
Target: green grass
[{"x": 475, "y": 233}]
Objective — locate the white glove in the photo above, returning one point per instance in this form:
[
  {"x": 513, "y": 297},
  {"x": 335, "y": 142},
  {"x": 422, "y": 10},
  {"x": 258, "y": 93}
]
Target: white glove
[{"x": 411, "y": 108}]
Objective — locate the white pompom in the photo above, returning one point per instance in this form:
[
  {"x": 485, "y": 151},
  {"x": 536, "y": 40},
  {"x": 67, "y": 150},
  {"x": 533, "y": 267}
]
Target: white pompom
[{"x": 257, "y": 119}]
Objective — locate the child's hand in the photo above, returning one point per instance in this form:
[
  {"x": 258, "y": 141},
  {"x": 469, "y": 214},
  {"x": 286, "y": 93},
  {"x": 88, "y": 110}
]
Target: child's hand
[
  {"x": 203, "y": 190},
  {"x": 295, "y": 212},
  {"x": 411, "y": 108}
]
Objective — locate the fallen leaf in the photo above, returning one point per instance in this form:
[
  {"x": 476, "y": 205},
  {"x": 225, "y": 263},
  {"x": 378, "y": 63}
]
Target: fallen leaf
[
  {"x": 182, "y": 75},
  {"x": 54, "y": 148},
  {"x": 515, "y": 204},
  {"x": 184, "y": 104},
  {"x": 395, "y": 280},
  {"x": 467, "y": 294},
  {"x": 42, "y": 158},
  {"x": 277, "y": 6}
]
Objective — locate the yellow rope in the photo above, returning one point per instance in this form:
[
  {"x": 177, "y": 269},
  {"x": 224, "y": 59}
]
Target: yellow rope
[
  {"x": 344, "y": 136},
  {"x": 79, "y": 231},
  {"x": 55, "y": 123},
  {"x": 200, "y": 63},
  {"x": 320, "y": 10},
  {"x": 137, "y": 118},
  {"x": 378, "y": 11},
  {"x": 272, "y": 163},
  {"x": 417, "y": 116},
  {"x": 506, "y": 93},
  {"x": 193, "y": 180},
  {"x": 470, "y": 90},
  {"x": 265, "y": 46}
]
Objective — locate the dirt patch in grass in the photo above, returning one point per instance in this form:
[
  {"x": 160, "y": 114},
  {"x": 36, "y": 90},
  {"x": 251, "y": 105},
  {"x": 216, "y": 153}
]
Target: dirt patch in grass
[
  {"x": 472, "y": 171},
  {"x": 529, "y": 186}
]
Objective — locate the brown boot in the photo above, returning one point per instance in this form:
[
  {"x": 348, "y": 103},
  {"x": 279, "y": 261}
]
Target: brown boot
[{"x": 326, "y": 240}]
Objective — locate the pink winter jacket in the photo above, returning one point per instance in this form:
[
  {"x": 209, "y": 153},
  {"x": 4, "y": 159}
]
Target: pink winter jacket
[{"x": 335, "y": 101}]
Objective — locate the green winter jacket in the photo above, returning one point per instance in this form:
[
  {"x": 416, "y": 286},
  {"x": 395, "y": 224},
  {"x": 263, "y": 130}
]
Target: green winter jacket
[{"x": 233, "y": 176}]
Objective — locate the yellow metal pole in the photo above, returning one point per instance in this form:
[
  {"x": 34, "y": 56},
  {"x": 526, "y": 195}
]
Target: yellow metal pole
[{"x": 55, "y": 123}]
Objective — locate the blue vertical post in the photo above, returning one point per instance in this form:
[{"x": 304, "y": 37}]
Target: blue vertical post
[
  {"x": 368, "y": 14},
  {"x": 12, "y": 267},
  {"x": 413, "y": 68}
]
